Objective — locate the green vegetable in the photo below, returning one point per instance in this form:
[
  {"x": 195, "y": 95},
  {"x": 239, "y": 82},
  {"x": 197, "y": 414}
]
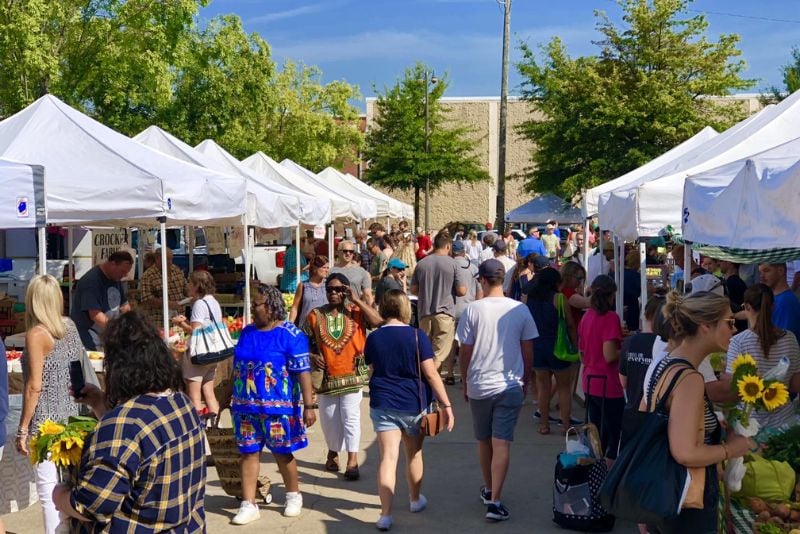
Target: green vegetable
[
  {"x": 784, "y": 447},
  {"x": 769, "y": 528}
]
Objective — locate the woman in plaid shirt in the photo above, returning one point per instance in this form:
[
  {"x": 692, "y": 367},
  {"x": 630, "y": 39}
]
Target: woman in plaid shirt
[{"x": 143, "y": 469}]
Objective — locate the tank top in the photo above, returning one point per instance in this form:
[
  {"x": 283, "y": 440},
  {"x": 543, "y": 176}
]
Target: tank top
[
  {"x": 313, "y": 297},
  {"x": 55, "y": 402}
]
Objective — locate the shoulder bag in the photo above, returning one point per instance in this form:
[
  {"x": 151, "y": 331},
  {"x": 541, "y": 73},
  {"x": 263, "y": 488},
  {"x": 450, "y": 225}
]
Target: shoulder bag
[
  {"x": 564, "y": 349},
  {"x": 212, "y": 347},
  {"x": 432, "y": 421},
  {"x": 646, "y": 484}
]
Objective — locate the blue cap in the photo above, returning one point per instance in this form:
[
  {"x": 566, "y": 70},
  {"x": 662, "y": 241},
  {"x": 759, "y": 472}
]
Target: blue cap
[
  {"x": 458, "y": 246},
  {"x": 397, "y": 263}
]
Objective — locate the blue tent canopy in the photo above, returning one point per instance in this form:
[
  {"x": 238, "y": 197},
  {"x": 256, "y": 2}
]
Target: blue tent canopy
[{"x": 543, "y": 208}]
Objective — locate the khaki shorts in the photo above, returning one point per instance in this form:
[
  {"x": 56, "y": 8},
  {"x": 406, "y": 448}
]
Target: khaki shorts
[
  {"x": 441, "y": 329},
  {"x": 197, "y": 373}
]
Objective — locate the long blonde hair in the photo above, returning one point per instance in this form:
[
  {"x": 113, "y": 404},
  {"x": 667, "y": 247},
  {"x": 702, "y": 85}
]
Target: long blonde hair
[{"x": 44, "y": 305}]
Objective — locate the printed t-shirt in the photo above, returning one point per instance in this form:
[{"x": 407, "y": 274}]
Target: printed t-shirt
[
  {"x": 634, "y": 359},
  {"x": 593, "y": 331},
  {"x": 94, "y": 291}
]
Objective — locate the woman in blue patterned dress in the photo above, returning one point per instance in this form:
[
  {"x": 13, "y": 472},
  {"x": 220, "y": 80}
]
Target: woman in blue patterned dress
[{"x": 271, "y": 369}]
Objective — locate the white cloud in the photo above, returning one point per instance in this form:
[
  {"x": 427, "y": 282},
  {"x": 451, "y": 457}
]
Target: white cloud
[{"x": 291, "y": 13}]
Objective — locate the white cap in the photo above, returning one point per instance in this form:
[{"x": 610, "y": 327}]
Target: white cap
[{"x": 707, "y": 282}]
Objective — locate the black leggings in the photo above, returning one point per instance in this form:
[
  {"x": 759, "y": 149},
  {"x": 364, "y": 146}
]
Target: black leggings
[{"x": 609, "y": 424}]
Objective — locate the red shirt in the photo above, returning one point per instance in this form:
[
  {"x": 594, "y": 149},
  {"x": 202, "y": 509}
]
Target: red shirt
[
  {"x": 425, "y": 244},
  {"x": 593, "y": 331},
  {"x": 321, "y": 248},
  {"x": 577, "y": 313}
]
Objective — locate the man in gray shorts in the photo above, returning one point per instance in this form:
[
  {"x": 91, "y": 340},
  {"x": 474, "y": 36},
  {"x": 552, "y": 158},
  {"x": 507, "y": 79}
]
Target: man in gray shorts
[{"x": 496, "y": 357}]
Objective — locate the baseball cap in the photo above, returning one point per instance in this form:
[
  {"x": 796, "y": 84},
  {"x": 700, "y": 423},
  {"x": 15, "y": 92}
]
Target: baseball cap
[
  {"x": 540, "y": 262},
  {"x": 707, "y": 282},
  {"x": 458, "y": 246},
  {"x": 492, "y": 269},
  {"x": 397, "y": 263},
  {"x": 499, "y": 246}
]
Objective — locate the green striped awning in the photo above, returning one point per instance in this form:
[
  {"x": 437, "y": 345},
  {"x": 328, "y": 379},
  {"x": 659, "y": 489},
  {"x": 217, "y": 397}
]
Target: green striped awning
[{"x": 744, "y": 255}]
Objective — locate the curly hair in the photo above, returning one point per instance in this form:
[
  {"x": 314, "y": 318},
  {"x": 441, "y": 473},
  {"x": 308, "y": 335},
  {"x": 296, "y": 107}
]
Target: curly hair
[
  {"x": 137, "y": 360},
  {"x": 274, "y": 304}
]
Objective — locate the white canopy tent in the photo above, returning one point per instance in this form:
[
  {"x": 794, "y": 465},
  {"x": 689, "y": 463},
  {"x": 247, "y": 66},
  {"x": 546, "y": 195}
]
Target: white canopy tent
[
  {"x": 312, "y": 210},
  {"x": 591, "y": 197},
  {"x": 645, "y": 209},
  {"x": 335, "y": 179},
  {"x": 403, "y": 210},
  {"x": 746, "y": 204},
  {"x": 24, "y": 185},
  {"x": 341, "y": 207},
  {"x": 367, "y": 206}
]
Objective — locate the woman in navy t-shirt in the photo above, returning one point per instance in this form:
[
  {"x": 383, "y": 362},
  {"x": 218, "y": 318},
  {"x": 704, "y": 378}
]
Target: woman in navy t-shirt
[{"x": 403, "y": 378}]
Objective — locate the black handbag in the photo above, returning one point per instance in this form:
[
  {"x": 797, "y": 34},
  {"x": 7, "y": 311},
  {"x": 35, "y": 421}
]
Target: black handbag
[
  {"x": 646, "y": 484},
  {"x": 220, "y": 347}
]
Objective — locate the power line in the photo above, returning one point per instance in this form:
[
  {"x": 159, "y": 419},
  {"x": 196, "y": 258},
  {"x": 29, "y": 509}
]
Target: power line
[{"x": 737, "y": 15}]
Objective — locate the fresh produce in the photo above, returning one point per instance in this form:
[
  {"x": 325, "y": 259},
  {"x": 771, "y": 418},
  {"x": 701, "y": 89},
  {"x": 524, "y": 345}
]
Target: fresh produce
[
  {"x": 235, "y": 326},
  {"x": 784, "y": 447},
  {"x": 96, "y": 355},
  {"x": 288, "y": 301},
  {"x": 12, "y": 355}
]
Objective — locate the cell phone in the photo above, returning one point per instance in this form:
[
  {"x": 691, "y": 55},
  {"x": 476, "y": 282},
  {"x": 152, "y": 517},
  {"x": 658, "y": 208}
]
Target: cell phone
[{"x": 76, "y": 378}]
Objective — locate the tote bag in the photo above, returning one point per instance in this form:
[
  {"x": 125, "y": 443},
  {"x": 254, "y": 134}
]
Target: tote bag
[
  {"x": 564, "y": 349},
  {"x": 213, "y": 346}
]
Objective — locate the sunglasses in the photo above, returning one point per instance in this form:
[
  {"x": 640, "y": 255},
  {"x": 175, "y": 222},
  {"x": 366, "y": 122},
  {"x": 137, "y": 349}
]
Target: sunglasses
[
  {"x": 336, "y": 289},
  {"x": 731, "y": 322},
  {"x": 348, "y": 251}
]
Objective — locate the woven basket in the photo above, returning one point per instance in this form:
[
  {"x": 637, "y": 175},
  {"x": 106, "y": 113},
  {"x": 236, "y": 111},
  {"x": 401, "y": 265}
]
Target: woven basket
[{"x": 227, "y": 458}]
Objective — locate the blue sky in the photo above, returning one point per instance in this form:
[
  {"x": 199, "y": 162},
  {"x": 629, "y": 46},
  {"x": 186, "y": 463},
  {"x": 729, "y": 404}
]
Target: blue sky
[{"x": 370, "y": 42}]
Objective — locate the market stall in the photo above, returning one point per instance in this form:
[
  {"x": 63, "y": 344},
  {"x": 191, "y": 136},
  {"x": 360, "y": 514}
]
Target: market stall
[{"x": 545, "y": 207}]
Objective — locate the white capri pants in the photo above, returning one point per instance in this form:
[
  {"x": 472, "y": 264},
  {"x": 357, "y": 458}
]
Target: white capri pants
[
  {"x": 340, "y": 417},
  {"x": 46, "y": 480}
]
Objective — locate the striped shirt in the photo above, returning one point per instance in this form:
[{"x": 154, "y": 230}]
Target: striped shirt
[
  {"x": 747, "y": 343},
  {"x": 143, "y": 469}
]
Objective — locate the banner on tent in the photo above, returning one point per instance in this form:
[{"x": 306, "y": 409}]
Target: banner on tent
[
  {"x": 215, "y": 240},
  {"x": 108, "y": 241}
]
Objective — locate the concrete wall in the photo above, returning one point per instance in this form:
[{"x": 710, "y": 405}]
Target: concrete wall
[{"x": 477, "y": 202}]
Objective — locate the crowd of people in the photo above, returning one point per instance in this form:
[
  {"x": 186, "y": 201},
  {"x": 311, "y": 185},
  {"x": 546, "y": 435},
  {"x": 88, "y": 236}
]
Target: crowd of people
[{"x": 396, "y": 312}]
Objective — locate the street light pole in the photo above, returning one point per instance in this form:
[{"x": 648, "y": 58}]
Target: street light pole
[
  {"x": 501, "y": 164},
  {"x": 430, "y": 78}
]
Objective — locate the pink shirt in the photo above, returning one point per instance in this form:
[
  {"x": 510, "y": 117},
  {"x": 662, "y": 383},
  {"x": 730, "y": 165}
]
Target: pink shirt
[{"x": 594, "y": 330}]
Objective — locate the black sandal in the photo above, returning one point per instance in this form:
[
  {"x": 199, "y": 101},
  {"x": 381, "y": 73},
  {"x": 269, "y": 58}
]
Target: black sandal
[
  {"x": 351, "y": 473},
  {"x": 450, "y": 381},
  {"x": 332, "y": 463}
]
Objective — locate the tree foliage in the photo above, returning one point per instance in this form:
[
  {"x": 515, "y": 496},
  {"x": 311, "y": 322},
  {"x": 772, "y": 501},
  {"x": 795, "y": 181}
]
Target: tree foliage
[
  {"x": 598, "y": 117},
  {"x": 791, "y": 80},
  {"x": 133, "y": 63},
  {"x": 395, "y": 144}
]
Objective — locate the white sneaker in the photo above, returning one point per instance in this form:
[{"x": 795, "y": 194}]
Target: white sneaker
[
  {"x": 248, "y": 512},
  {"x": 294, "y": 504},
  {"x": 384, "y": 523},
  {"x": 418, "y": 506}
]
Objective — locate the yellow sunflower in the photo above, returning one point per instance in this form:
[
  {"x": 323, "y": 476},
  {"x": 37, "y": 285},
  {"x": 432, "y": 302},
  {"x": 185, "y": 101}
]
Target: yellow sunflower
[
  {"x": 743, "y": 359},
  {"x": 50, "y": 428},
  {"x": 775, "y": 395},
  {"x": 750, "y": 388}
]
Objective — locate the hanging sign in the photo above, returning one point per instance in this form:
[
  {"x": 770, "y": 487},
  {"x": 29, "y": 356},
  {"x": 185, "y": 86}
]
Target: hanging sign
[
  {"x": 105, "y": 242},
  {"x": 319, "y": 232}
]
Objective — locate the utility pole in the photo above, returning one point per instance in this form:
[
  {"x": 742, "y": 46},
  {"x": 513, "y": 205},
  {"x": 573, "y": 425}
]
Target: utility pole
[
  {"x": 501, "y": 152},
  {"x": 429, "y": 79}
]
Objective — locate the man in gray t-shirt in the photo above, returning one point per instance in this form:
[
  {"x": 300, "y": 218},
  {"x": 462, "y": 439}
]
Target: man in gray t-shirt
[
  {"x": 437, "y": 281},
  {"x": 360, "y": 280}
]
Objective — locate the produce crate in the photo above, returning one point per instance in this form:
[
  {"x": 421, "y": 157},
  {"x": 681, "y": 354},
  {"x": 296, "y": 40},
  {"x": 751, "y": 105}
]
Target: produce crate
[
  {"x": 226, "y": 298},
  {"x": 8, "y": 327},
  {"x": 7, "y": 308},
  {"x": 228, "y": 278}
]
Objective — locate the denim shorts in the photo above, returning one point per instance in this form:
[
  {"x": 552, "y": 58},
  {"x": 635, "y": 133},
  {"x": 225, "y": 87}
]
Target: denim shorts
[
  {"x": 385, "y": 420},
  {"x": 496, "y": 416}
]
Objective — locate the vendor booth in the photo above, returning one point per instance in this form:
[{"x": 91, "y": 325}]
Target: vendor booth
[{"x": 544, "y": 208}]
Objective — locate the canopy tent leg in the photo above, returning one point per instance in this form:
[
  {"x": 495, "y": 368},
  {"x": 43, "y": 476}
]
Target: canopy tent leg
[
  {"x": 600, "y": 251},
  {"x": 643, "y": 278},
  {"x": 70, "y": 266},
  {"x": 297, "y": 267},
  {"x": 247, "y": 263},
  {"x": 164, "y": 289},
  {"x": 586, "y": 243},
  {"x": 687, "y": 264},
  {"x": 189, "y": 233},
  {"x": 619, "y": 274},
  {"x": 42, "y": 250},
  {"x": 140, "y": 251},
  {"x": 330, "y": 243}
]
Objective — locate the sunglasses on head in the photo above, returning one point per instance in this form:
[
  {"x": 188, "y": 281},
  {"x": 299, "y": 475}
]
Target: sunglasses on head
[{"x": 336, "y": 289}]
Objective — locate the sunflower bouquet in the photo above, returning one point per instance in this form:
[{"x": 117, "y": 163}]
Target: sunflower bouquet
[
  {"x": 61, "y": 443},
  {"x": 754, "y": 393}
]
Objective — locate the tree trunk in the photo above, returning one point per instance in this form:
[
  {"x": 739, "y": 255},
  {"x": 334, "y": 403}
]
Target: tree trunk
[{"x": 416, "y": 207}]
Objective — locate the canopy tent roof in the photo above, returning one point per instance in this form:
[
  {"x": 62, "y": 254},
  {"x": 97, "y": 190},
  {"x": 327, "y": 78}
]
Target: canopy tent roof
[
  {"x": 97, "y": 175},
  {"x": 265, "y": 209},
  {"x": 368, "y": 206},
  {"x": 341, "y": 207},
  {"x": 336, "y": 179},
  {"x": 543, "y": 208},
  {"x": 25, "y": 185},
  {"x": 750, "y": 203},
  {"x": 403, "y": 210},
  {"x": 313, "y": 211},
  {"x": 647, "y": 208},
  {"x": 591, "y": 197}
]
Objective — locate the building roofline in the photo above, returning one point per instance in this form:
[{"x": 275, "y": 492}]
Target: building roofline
[{"x": 515, "y": 98}]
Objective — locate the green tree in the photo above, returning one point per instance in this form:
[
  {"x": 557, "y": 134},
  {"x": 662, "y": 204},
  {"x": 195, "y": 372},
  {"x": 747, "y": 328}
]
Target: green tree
[
  {"x": 791, "y": 80},
  {"x": 395, "y": 144},
  {"x": 598, "y": 117}
]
